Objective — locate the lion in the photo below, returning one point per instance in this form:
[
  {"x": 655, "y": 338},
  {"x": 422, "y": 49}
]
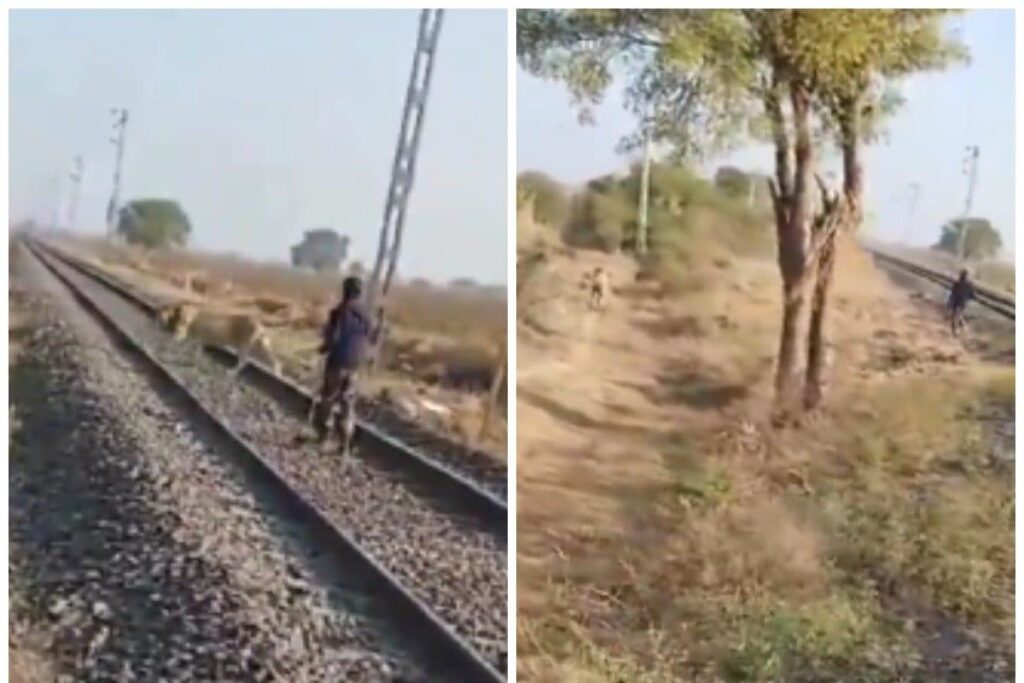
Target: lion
[
  {"x": 242, "y": 332},
  {"x": 208, "y": 286},
  {"x": 598, "y": 286},
  {"x": 181, "y": 280}
]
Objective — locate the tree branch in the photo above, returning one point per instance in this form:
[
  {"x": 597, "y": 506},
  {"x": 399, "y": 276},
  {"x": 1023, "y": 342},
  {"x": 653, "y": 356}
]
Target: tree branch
[
  {"x": 783, "y": 170},
  {"x": 826, "y": 224},
  {"x": 778, "y": 204}
]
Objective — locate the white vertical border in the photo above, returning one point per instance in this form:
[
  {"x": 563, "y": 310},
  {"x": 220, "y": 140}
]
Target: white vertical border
[
  {"x": 1018, "y": 477},
  {"x": 510, "y": 438},
  {"x": 5, "y": 466}
]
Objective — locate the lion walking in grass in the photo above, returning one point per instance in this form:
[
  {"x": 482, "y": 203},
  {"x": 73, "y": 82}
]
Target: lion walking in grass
[{"x": 598, "y": 286}]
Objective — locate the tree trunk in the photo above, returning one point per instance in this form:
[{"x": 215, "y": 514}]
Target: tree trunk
[
  {"x": 817, "y": 335},
  {"x": 791, "y": 351},
  {"x": 816, "y": 383},
  {"x": 793, "y": 217}
]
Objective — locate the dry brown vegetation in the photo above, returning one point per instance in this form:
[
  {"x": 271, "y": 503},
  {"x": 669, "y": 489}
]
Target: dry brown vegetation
[
  {"x": 444, "y": 342},
  {"x": 667, "y": 532}
]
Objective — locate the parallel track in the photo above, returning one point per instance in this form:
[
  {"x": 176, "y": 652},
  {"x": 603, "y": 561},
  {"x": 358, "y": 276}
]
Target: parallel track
[
  {"x": 459, "y": 492},
  {"x": 450, "y": 656},
  {"x": 998, "y": 303}
]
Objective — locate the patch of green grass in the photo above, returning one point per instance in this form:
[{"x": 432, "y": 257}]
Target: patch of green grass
[
  {"x": 842, "y": 637},
  {"x": 697, "y": 480},
  {"x": 951, "y": 545},
  {"x": 706, "y": 486},
  {"x": 926, "y": 515}
]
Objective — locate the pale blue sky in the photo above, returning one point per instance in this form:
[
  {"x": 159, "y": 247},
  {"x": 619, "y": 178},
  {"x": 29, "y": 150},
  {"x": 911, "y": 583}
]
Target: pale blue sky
[
  {"x": 266, "y": 123},
  {"x": 945, "y": 112}
]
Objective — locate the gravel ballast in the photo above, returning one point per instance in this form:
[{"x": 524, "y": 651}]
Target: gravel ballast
[
  {"x": 453, "y": 566},
  {"x": 134, "y": 550}
]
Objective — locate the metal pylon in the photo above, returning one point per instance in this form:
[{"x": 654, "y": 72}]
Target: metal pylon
[
  {"x": 120, "y": 124},
  {"x": 403, "y": 170},
  {"x": 76, "y": 174}
]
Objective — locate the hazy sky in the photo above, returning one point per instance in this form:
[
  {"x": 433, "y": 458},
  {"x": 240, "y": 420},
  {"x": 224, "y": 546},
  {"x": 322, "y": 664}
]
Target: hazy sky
[
  {"x": 267, "y": 123},
  {"x": 945, "y": 112}
]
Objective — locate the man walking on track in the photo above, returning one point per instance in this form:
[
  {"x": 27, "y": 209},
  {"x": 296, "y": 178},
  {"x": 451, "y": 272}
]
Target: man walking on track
[
  {"x": 345, "y": 340},
  {"x": 961, "y": 292}
]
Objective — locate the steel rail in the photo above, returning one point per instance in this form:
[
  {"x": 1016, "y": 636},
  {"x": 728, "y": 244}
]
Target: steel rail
[
  {"x": 457, "y": 491},
  {"x": 449, "y": 655}
]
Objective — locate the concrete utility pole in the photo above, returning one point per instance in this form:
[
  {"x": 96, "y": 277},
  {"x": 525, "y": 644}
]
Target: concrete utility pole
[
  {"x": 915, "y": 193},
  {"x": 77, "y": 171},
  {"x": 970, "y": 168},
  {"x": 645, "y": 183},
  {"x": 403, "y": 169},
  {"x": 120, "y": 123},
  {"x": 55, "y": 209}
]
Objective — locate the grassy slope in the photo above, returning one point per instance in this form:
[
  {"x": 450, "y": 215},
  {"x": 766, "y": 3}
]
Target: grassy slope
[{"x": 666, "y": 532}]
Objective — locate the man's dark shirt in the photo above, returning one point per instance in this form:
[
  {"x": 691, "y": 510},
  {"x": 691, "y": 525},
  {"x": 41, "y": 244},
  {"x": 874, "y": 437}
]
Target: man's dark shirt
[
  {"x": 345, "y": 336},
  {"x": 960, "y": 294}
]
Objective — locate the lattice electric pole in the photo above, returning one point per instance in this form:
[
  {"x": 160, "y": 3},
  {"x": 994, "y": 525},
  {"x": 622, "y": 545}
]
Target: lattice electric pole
[
  {"x": 971, "y": 171},
  {"x": 120, "y": 124},
  {"x": 55, "y": 209},
  {"x": 403, "y": 170},
  {"x": 915, "y": 193},
  {"x": 77, "y": 171}
]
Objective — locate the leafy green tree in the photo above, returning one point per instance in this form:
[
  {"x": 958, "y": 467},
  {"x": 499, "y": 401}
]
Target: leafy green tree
[
  {"x": 603, "y": 215},
  {"x": 748, "y": 187},
  {"x": 981, "y": 240},
  {"x": 857, "y": 75},
  {"x": 154, "y": 223},
  {"x": 702, "y": 81},
  {"x": 733, "y": 181},
  {"x": 322, "y": 250},
  {"x": 605, "y": 211}
]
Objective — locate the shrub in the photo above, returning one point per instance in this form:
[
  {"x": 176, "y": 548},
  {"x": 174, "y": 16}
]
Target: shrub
[
  {"x": 690, "y": 221},
  {"x": 551, "y": 201},
  {"x": 154, "y": 223}
]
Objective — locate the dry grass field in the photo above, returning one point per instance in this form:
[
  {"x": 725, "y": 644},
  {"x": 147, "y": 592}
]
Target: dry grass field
[{"x": 667, "y": 532}]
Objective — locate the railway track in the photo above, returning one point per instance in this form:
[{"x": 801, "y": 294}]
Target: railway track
[
  {"x": 479, "y": 489},
  {"x": 1001, "y": 304},
  {"x": 439, "y": 575}
]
